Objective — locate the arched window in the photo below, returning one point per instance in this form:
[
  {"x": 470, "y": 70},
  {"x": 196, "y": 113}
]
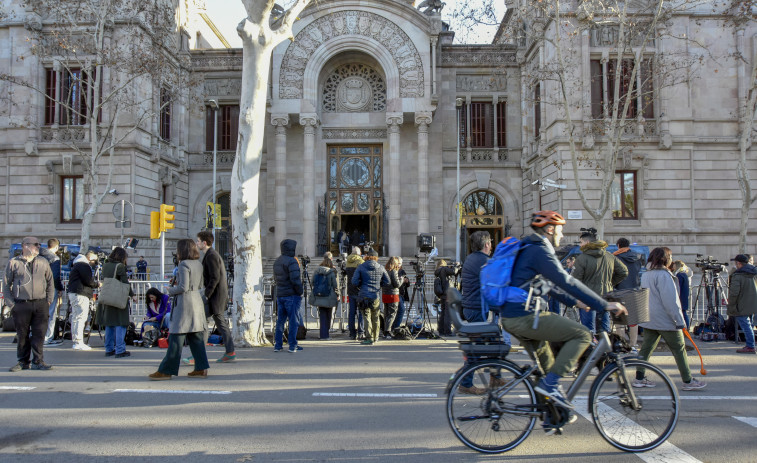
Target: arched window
[{"x": 481, "y": 209}]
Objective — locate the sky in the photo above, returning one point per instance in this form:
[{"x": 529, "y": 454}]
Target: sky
[{"x": 226, "y": 14}]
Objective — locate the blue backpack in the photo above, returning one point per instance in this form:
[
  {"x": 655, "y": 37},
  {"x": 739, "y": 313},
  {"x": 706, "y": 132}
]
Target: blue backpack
[
  {"x": 496, "y": 275},
  {"x": 321, "y": 285}
]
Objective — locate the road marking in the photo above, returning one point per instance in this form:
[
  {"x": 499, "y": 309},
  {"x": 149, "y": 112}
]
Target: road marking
[
  {"x": 369, "y": 394},
  {"x": 17, "y": 388},
  {"x": 748, "y": 420},
  {"x": 665, "y": 453},
  {"x": 170, "y": 391}
]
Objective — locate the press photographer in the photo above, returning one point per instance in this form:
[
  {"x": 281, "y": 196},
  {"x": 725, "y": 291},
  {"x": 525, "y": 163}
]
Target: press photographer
[{"x": 444, "y": 277}]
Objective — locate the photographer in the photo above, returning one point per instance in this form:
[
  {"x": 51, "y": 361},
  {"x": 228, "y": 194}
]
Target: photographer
[
  {"x": 370, "y": 277},
  {"x": 446, "y": 275}
]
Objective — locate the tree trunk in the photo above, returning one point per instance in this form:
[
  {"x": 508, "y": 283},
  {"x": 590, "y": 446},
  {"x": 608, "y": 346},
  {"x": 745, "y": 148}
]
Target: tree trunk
[
  {"x": 245, "y": 180},
  {"x": 745, "y": 183}
]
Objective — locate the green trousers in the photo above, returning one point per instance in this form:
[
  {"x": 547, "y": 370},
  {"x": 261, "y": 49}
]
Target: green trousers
[
  {"x": 551, "y": 328},
  {"x": 372, "y": 323},
  {"x": 676, "y": 344}
]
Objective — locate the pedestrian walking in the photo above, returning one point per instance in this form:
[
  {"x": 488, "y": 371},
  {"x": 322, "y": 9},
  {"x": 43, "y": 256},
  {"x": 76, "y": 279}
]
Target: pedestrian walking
[
  {"x": 188, "y": 321},
  {"x": 29, "y": 291}
]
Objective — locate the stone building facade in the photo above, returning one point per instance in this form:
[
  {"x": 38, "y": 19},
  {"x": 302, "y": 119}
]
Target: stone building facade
[{"x": 371, "y": 107}]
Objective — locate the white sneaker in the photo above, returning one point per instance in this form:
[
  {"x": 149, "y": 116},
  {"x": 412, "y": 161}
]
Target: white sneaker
[
  {"x": 644, "y": 382},
  {"x": 81, "y": 347},
  {"x": 693, "y": 385}
]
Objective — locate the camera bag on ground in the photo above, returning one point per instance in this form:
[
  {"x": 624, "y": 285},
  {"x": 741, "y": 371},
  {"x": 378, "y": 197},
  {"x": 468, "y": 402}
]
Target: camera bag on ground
[
  {"x": 131, "y": 334},
  {"x": 150, "y": 336},
  {"x": 496, "y": 275},
  {"x": 320, "y": 285},
  {"x": 402, "y": 332}
]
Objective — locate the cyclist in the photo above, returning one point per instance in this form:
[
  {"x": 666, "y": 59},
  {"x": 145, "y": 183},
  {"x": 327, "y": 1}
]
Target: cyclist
[{"x": 537, "y": 257}]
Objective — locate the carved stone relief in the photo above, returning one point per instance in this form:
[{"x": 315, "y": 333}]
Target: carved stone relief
[
  {"x": 353, "y": 134},
  {"x": 359, "y": 23},
  {"x": 490, "y": 83},
  {"x": 354, "y": 88},
  {"x": 223, "y": 87}
]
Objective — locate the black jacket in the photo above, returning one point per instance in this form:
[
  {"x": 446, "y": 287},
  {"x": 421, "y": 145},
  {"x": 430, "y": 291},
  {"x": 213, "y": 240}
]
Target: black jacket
[
  {"x": 470, "y": 280},
  {"x": 286, "y": 271},
  {"x": 633, "y": 262},
  {"x": 214, "y": 276},
  {"x": 81, "y": 280},
  {"x": 447, "y": 275},
  {"x": 537, "y": 257}
]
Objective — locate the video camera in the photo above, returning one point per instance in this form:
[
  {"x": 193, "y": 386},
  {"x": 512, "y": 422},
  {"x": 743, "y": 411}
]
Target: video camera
[
  {"x": 341, "y": 262},
  {"x": 589, "y": 231},
  {"x": 710, "y": 263},
  {"x": 304, "y": 260},
  {"x": 426, "y": 242}
]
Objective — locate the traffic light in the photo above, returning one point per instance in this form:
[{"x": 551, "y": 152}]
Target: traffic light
[
  {"x": 154, "y": 225},
  {"x": 166, "y": 219}
]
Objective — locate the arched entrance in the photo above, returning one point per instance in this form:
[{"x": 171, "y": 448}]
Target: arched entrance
[
  {"x": 355, "y": 194},
  {"x": 223, "y": 236},
  {"x": 482, "y": 210}
]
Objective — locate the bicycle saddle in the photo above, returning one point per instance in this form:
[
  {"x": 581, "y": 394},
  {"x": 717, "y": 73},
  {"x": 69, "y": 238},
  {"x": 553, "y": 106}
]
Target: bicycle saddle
[{"x": 463, "y": 328}]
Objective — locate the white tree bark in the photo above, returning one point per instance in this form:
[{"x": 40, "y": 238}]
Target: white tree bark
[
  {"x": 749, "y": 106},
  {"x": 258, "y": 40}
]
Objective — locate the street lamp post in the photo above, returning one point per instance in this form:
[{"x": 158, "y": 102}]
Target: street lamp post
[
  {"x": 458, "y": 104},
  {"x": 214, "y": 106}
]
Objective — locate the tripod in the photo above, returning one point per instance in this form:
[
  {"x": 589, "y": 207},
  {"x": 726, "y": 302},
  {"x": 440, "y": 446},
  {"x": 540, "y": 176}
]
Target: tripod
[
  {"x": 711, "y": 291},
  {"x": 422, "y": 319}
]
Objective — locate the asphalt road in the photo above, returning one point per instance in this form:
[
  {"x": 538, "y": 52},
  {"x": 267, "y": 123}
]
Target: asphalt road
[{"x": 334, "y": 401}]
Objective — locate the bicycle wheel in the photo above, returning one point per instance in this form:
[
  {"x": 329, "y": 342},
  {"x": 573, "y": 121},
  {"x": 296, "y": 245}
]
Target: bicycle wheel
[
  {"x": 629, "y": 428},
  {"x": 498, "y": 419}
]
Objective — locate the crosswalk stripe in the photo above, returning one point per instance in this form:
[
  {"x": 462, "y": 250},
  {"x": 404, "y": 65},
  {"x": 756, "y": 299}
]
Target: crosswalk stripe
[
  {"x": 170, "y": 391},
  {"x": 665, "y": 453},
  {"x": 751, "y": 421},
  {"x": 17, "y": 388},
  {"x": 369, "y": 394}
]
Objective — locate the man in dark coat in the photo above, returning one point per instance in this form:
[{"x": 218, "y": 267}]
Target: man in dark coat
[
  {"x": 742, "y": 298},
  {"x": 370, "y": 277},
  {"x": 353, "y": 262},
  {"x": 216, "y": 292},
  {"x": 633, "y": 261},
  {"x": 53, "y": 245},
  {"x": 288, "y": 276}
]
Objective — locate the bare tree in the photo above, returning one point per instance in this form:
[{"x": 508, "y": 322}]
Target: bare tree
[
  {"x": 744, "y": 11},
  {"x": 107, "y": 53},
  {"x": 264, "y": 28},
  {"x": 632, "y": 72}
]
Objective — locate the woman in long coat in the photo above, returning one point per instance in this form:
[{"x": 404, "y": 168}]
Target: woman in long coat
[
  {"x": 327, "y": 303},
  {"x": 115, "y": 320},
  {"x": 187, "y": 320}
]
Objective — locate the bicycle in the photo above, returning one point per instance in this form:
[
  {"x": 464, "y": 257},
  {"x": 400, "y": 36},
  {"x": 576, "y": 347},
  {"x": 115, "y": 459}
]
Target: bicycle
[{"x": 499, "y": 419}]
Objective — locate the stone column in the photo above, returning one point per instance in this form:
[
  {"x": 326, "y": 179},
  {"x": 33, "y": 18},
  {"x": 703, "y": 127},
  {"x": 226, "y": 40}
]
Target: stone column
[
  {"x": 423, "y": 120},
  {"x": 58, "y": 78},
  {"x": 434, "y": 41},
  {"x": 308, "y": 245},
  {"x": 280, "y": 121},
  {"x": 394, "y": 246}
]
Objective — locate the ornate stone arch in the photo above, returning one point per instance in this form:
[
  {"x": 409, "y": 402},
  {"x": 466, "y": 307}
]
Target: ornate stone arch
[
  {"x": 474, "y": 182},
  {"x": 358, "y": 26}
]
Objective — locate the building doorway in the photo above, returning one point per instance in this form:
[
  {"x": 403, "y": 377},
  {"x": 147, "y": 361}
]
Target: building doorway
[
  {"x": 482, "y": 210},
  {"x": 355, "y": 193}
]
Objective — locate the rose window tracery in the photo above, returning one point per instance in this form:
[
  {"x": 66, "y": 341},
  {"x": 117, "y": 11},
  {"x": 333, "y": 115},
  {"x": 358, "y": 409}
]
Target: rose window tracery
[{"x": 354, "y": 88}]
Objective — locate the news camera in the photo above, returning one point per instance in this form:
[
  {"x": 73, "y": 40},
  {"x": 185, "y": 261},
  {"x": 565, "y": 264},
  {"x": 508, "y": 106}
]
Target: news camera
[
  {"x": 426, "y": 242},
  {"x": 589, "y": 231},
  {"x": 304, "y": 260},
  {"x": 710, "y": 263}
]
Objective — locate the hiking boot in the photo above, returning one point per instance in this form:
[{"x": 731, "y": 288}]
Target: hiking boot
[
  {"x": 555, "y": 393},
  {"x": 41, "y": 366},
  {"x": 158, "y": 376},
  {"x": 18, "y": 367},
  {"x": 188, "y": 361},
  {"x": 745, "y": 350},
  {"x": 473, "y": 390},
  {"x": 644, "y": 382},
  {"x": 227, "y": 358},
  {"x": 198, "y": 374},
  {"x": 694, "y": 385}
]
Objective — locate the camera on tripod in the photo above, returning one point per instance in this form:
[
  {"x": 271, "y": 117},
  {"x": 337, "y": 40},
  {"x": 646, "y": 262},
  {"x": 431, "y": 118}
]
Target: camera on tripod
[
  {"x": 418, "y": 265},
  {"x": 710, "y": 263},
  {"x": 426, "y": 242},
  {"x": 368, "y": 246},
  {"x": 304, "y": 260},
  {"x": 341, "y": 263}
]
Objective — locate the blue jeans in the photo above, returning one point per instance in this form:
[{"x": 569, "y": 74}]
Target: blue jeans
[
  {"x": 745, "y": 323},
  {"x": 355, "y": 313},
  {"x": 593, "y": 318},
  {"x": 196, "y": 342},
  {"x": 114, "y": 339},
  {"x": 400, "y": 314},
  {"x": 288, "y": 310},
  {"x": 50, "y": 335}
]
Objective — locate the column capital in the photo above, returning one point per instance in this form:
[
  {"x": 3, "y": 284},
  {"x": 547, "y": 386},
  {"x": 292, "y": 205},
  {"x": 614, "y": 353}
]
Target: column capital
[
  {"x": 423, "y": 118},
  {"x": 309, "y": 119},
  {"x": 394, "y": 119},
  {"x": 280, "y": 120}
]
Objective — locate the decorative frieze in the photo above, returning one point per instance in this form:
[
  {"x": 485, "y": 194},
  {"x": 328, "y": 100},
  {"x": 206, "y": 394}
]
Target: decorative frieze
[
  {"x": 215, "y": 63},
  {"x": 464, "y": 56},
  {"x": 354, "y": 134},
  {"x": 353, "y": 23},
  {"x": 223, "y": 87},
  {"x": 481, "y": 83}
]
